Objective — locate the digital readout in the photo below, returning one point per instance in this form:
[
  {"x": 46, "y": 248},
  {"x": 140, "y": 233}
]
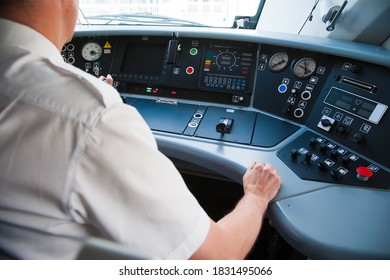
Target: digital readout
[{"x": 359, "y": 106}]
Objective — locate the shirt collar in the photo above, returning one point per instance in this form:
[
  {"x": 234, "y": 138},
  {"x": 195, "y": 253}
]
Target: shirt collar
[{"x": 27, "y": 38}]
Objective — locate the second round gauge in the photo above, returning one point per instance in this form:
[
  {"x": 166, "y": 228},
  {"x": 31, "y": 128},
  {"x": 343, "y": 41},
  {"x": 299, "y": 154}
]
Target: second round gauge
[
  {"x": 304, "y": 67},
  {"x": 278, "y": 61}
]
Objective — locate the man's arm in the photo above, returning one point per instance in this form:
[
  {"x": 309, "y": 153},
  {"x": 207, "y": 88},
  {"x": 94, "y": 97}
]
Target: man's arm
[{"x": 233, "y": 236}]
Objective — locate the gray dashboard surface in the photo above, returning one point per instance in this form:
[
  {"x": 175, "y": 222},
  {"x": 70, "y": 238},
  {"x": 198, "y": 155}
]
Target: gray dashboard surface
[{"x": 321, "y": 221}]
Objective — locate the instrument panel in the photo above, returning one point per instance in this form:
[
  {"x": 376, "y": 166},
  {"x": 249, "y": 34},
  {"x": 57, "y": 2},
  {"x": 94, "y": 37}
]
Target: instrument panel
[
  {"x": 290, "y": 81},
  {"x": 344, "y": 101},
  {"x": 223, "y": 71},
  {"x": 321, "y": 119}
]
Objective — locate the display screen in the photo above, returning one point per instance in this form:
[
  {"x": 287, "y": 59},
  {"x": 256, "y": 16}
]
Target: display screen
[
  {"x": 228, "y": 68},
  {"x": 367, "y": 109},
  {"x": 144, "y": 58}
]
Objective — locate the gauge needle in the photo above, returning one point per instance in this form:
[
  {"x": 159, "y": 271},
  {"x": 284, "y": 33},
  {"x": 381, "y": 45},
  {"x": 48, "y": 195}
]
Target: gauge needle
[
  {"x": 306, "y": 68},
  {"x": 280, "y": 62}
]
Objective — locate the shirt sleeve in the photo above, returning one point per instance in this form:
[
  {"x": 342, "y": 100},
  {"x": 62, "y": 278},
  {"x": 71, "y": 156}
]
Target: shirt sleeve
[{"x": 131, "y": 193}]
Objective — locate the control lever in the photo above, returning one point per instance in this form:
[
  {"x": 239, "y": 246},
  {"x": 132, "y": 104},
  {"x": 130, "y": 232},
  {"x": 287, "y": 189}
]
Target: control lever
[
  {"x": 173, "y": 48},
  {"x": 224, "y": 125},
  {"x": 307, "y": 159}
]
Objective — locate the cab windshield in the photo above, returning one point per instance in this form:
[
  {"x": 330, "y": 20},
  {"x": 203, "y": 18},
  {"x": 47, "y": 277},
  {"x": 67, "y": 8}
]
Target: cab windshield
[{"x": 206, "y": 13}]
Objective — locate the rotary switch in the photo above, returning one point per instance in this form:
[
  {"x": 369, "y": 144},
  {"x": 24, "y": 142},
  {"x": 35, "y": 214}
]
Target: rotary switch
[{"x": 326, "y": 123}]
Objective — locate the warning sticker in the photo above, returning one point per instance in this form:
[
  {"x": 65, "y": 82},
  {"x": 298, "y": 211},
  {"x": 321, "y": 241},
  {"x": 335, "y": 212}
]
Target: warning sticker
[{"x": 107, "y": 45}]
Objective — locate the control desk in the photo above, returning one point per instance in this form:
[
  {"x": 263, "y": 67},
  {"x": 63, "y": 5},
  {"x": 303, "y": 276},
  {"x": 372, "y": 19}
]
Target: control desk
[{"x": 320, "y": 116}]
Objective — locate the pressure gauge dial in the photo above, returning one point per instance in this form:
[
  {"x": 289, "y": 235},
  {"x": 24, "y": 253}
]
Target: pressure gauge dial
[
  {"x": 278, "y": 61},
  {"x": 91, "y": 51},
  {"x": 304, "y": 67}
]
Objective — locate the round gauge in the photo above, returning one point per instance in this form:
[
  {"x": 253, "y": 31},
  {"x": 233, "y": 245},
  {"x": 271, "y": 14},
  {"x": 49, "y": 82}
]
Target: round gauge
[
  {"x": 304, "y": 67},
  {"x": 278, "y": 61},
  {"x": 226, "y": 59},
  {"x": 91, "y": 51}
]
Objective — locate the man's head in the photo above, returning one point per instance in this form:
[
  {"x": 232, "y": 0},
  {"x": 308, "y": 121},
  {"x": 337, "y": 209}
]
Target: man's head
[{"x": 55, "y": 19}]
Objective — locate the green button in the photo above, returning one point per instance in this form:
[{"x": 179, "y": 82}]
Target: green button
[{"x": 193, "y": 51}]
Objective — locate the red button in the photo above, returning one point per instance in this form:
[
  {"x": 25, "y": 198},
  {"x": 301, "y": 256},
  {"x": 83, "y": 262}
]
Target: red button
[
  {"x": 190, "y": 70},
  {"x": 363, "y": 173}
]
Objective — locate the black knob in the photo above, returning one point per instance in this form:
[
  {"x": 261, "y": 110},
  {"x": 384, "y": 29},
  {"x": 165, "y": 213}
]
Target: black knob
[
  {"x": 358, "y": 138},
  {"x": 341, "y": 130},
  {"x": 326, "y": 122}
]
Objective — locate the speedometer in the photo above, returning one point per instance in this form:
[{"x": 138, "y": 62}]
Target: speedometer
[{"x": 91, "y": 51}]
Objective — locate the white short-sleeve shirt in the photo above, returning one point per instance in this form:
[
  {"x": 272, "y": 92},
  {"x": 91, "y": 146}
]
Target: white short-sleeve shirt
[{"x": 75, "y": 161}]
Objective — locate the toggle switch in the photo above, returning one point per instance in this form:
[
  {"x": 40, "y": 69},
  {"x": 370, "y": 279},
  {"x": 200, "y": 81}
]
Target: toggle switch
[
  {"x": 336, "y": 174},
  {"x": 294, "y": 153},
  {"x": 307, "y": 159},
  {"x": 322, "y": 165}
]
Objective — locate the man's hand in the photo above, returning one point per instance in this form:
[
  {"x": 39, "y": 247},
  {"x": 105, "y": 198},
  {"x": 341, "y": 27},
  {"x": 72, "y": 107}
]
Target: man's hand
[
  {"x": 108, "y": 79},
  {"x": 261, "y": 179},
  {"x": 233, "y": 236}
]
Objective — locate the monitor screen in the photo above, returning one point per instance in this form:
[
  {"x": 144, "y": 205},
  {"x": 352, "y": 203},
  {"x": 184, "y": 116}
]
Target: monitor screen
[{"x": 146, "y": 58}]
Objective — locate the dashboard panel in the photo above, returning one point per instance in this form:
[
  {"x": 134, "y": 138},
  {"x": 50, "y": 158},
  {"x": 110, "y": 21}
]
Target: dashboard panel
[
  {"x": 198, "y": 69},
  {"x": 290, "y": 80},
  {"x": 318, "y": 114}
]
